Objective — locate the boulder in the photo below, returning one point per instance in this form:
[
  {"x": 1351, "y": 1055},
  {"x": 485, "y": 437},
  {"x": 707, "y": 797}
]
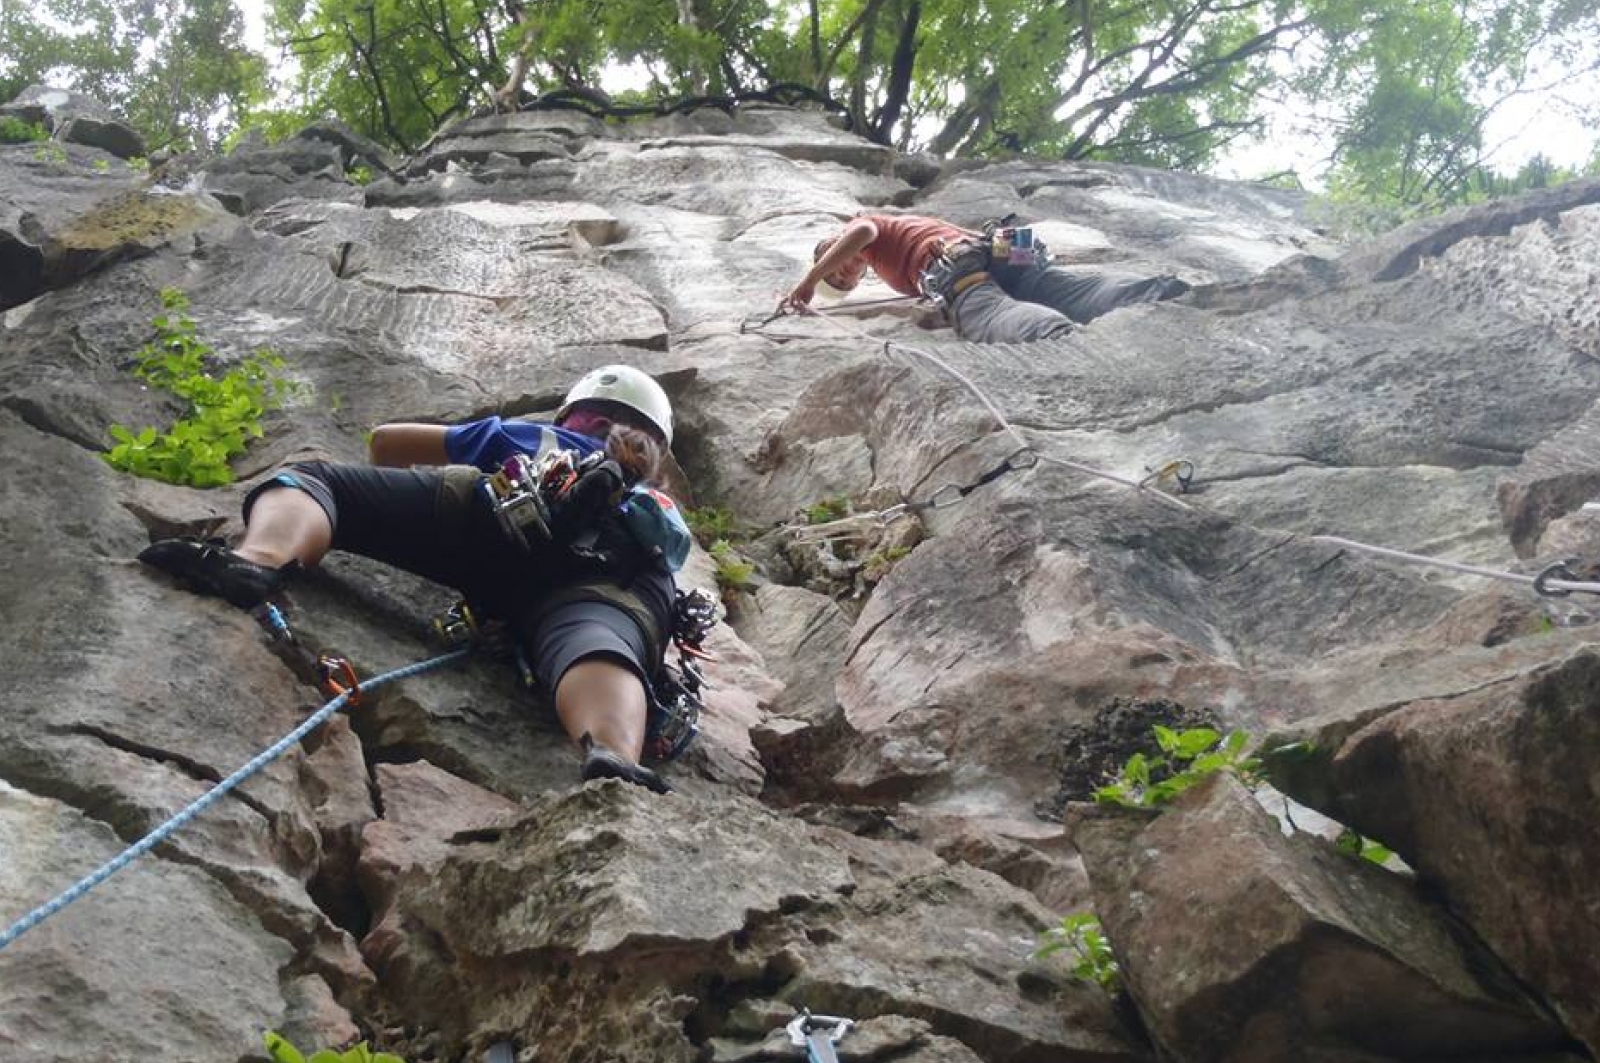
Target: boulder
[
  {"x": 612, "y": 946},
  {"x": 74, "y": 118},
  {"x": 1487, "y": 794},
  {"x": 159, "y": 960},
  {"x": 1239, "y": 943}
]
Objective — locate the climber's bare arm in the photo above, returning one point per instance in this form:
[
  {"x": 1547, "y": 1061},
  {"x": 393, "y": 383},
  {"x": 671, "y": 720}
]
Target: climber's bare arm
[{"x": 403, "y": 445}]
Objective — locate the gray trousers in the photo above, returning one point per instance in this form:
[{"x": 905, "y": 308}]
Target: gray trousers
[{"x": 1036, "y": 302}]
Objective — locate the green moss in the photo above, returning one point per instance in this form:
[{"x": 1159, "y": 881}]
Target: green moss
[{"x": 133, "y": 217}]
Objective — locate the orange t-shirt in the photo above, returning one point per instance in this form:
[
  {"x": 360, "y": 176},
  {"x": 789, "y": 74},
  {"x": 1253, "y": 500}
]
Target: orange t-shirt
[{"x": 905, "y": 244}]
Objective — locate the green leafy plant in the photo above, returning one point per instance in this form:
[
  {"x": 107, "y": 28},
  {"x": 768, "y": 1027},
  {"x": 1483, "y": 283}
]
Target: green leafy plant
[
  {"x": 102, "y": 166},
  {"x": 1352, "y": 843},
  {"x": 733, "y": 572},
  {"x": 360, "y": 175},
  {"x": 828, "y": 509},
  {"x": 711, "y": 523},
  {"x": 281, "y": 1051},
  {"x": 1185, "y": 759},
  {"x": 1084, "y": 941},
  {"x": 224, "y": 411},
  {"x": 139, "y": 162},
  {"x": 14, "y": 130},
  {"x": 887, "y": 557},
  {"x": 50, "y": 151}
]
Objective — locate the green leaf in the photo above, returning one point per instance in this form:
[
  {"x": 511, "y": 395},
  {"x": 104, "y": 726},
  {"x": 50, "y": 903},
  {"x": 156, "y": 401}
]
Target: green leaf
[{"x": 280, "y": 1049}]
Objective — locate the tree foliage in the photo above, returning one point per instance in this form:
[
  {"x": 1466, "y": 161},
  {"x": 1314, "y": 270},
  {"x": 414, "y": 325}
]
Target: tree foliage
[
  {"x": 178, "y": 69},
  {"x": 1399, "y": 91}
]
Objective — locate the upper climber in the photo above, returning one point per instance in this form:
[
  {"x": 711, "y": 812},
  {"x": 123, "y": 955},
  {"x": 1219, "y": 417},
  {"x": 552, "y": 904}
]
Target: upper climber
[
  {"x": 588, "y": 595},
  {"x": 1015, "y": 297}
]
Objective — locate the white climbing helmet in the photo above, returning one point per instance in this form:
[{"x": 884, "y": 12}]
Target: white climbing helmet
[{"x": 628, "y": 386}]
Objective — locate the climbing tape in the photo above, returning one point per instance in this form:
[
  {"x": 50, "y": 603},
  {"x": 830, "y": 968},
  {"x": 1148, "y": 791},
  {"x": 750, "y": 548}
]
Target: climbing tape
[
  {"x": 1557, "y": 580},
  {"x": 213, "y": 795}
]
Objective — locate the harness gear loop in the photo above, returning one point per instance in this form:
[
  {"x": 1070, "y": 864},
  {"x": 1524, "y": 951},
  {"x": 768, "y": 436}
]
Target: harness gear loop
[
  {"x": 339, "y": 679},
  {"x": 1180, "y": 470},
  {"x": 1561, "y": 570}
]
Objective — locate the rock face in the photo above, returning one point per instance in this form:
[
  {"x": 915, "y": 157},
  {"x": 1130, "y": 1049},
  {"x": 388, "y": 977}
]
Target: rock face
[
  {"x": 1242, "y": 944},
  {"x": 1488, "y": 795},
  {"x": 871, "y": 825}
]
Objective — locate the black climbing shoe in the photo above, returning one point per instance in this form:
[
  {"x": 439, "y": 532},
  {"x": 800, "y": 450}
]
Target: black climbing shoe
[
  {"x": 209, "y": 567},
  {"x": 600, "y": 763}
]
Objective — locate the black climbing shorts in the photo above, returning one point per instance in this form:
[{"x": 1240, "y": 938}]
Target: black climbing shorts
[
  {"x": 579, "y": 630},
  {"x": 435, "y": 524}
]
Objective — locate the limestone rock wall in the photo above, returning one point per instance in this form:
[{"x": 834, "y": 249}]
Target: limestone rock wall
[{"x": 872, "y": 824}]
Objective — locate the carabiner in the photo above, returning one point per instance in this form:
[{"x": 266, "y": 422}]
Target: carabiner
[
  {"x": 1023, "y": 459},
  {"x": 1555, "y": 570},
  {"x": 335, "y": 669},
  {"x": 888, "y": 516}
]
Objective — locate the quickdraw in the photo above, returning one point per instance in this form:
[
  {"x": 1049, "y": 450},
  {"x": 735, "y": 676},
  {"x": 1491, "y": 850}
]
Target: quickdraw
[
  {"x": 950, "y": 494},
  {"x": 1179, "y": 471},
  {"x": 339, "y": 679},
  {"x": 817, "y": 1034},
  {"x": 675, "y": 692}
]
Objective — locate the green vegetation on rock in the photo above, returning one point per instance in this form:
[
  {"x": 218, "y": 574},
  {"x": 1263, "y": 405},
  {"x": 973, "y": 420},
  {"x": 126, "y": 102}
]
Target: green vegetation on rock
[
  {"x": 14, "y": 130},
  {"x": 224, "y": 411},
  {"x": 281, "y": 1051},
  {"x": 1185, "y": 759},
  {"x": 1084, "y": 941}
]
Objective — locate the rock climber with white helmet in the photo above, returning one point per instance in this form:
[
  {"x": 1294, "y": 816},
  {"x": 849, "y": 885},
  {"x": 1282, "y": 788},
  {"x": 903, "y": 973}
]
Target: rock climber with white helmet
[{"x": 550, "y": 529}]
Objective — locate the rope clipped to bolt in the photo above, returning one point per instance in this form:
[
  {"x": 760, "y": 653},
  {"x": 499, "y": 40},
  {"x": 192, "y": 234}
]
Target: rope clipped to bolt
[{"x": 1557, "y": 580}]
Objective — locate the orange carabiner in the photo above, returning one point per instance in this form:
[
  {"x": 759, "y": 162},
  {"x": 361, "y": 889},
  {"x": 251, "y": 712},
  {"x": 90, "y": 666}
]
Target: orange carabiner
[{"x": 339, "y": 678}]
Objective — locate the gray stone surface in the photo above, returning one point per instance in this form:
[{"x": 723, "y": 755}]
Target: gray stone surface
[
  {"x": 1241, "y": 944},
  {"x": 1431, "y": 391},
  {"x": 161, "y": 961},
  {"x": 1488, "y": 794}
]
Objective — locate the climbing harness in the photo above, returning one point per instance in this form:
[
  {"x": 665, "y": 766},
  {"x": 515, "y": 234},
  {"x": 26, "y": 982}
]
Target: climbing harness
[
  {"x": 673, "y": 692},
  {"x": 215, "y": 794},
  {"x": 817, "y": 1034}
]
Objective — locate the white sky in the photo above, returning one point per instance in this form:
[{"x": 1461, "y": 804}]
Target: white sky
[{"x": 1523, "y": 127}]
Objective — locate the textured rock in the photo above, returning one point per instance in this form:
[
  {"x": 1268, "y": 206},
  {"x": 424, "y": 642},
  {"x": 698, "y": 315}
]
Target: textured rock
[
  {"x": 66, "y": 212},
  {"x": 160, "y": 961},
  {"x": 1488, "y": 795},
  {"x": 909, "y": 731},
  {"x": 75, "y": 119},
  {"x": 612, "y": 902},
  {"x": 1319, "y": 951}
]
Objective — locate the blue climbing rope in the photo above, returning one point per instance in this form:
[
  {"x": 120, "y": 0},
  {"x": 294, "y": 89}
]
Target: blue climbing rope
[{"x": 211, "y": 796}]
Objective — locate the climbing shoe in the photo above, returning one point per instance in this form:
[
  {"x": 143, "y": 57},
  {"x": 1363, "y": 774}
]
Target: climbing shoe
[
  {"x": 601, "y": 763},
  {"x": 209, "y": 567}
]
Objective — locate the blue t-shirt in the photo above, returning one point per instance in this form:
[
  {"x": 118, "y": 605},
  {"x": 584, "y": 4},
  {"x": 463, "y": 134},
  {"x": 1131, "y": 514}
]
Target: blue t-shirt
[
  {"x": 489, "y": 442},
  {"x": 650, "y": 516}
]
